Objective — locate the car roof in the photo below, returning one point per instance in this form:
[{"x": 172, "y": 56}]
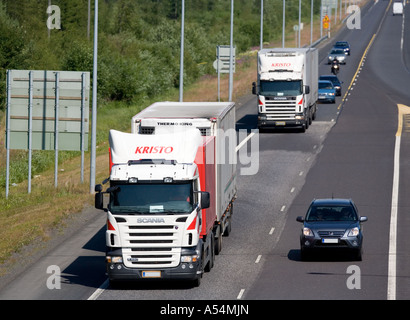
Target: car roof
[
  {"x": 327, "y": 76},
  {"x": 331, "y": 201},
  {"x": 325, "y": 81}
]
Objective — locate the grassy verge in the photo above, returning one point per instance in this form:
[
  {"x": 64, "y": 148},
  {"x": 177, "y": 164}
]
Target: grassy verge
[{"x": 30, "y": 217}]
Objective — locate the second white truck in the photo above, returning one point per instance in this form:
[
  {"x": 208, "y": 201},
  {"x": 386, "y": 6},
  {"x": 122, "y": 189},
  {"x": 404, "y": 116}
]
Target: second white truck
[{"x": 286, "y": 87}]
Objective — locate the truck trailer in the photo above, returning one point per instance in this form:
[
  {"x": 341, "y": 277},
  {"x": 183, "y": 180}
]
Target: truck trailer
[
  {"x": 286, "y": 87},
  {"x": 171, "y": 190}
]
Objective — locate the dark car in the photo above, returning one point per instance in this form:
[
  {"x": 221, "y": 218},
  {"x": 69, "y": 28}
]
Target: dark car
[
  {"x": 336, "y": 83},
  {"x": 326, "y": 91},
  {"x": 343, "y": 45},
  {"x": 332, "y": 224}
]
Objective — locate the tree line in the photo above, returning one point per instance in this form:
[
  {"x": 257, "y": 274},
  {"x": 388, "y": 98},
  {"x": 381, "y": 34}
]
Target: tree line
[{"x": 138, "y": 40}]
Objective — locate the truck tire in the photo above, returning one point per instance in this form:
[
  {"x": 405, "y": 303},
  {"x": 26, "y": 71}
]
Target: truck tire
[
  {"x": 228, "y": 227},
  {"x": 211, "y": 253},
  {"x": 218, "y": 241}
]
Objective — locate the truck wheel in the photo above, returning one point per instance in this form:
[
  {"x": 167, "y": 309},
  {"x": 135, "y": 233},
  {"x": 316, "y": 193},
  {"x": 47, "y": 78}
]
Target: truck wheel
[
  {"x": 197, "y": 281},
  {"x": 211, "y": 253},
  {"x": 218, "y": 242},
  {"x": 228, "y": 227}
]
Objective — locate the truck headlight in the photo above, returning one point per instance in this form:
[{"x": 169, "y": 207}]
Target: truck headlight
[
  {"x": 189, "y": 259},
  {"x": 114, "y": 259}
]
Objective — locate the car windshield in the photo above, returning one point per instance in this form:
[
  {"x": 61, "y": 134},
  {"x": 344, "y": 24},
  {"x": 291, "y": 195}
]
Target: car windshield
[
  {"x": 341, "y": 44},
  {"x": 331, "y": 213},
  {"x": 152, "y": 198},
  {"x": 325, "y": 85},
  {"x": 337, "y": 51},
  {"x": 281, "y": 88},
  {"x": 332, "y": 79}
]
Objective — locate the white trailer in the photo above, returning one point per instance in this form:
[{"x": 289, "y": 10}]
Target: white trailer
[
  {"x": 183, "y": 150},
  {"x": 287, "y": 87}
]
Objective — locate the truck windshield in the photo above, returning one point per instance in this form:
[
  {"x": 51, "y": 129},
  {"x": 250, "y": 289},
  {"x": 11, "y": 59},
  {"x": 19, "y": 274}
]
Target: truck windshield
[
  {"x": 152, "y": 198},
  {"x": 281, "y": 88}
]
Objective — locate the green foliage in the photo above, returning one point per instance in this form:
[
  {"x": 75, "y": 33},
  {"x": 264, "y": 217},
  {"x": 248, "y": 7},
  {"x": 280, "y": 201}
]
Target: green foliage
[{"x": 139, "y": 40}]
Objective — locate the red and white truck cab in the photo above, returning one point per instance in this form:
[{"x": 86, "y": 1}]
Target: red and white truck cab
[{"x": 163, "y": 216}]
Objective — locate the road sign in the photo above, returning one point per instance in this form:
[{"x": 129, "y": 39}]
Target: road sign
[
  {"x": 223, "y": 54},
  {"x": 40, "y": 122},
  {"x": 326, "y": 22}
]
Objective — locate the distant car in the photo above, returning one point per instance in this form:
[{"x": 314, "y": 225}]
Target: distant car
[
  {"x": 336, "y": 83},
  {"x": 332, "y": 224},
  {"x": 397, "y": 8},
  {"x": 327, "y": 91},
  {"x": 338, "y": 54},
  {"x": 343, "y": 45}
]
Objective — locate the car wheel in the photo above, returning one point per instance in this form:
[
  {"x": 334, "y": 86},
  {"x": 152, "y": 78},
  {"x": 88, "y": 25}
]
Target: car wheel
[
  {"x": 358, "y": 254},
  {"x": 304, "y": 255}
]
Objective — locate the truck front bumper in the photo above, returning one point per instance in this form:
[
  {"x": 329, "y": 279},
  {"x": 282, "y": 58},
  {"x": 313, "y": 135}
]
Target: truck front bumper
[
  {"x": 118, "y": 272},
  {"x": 188, "y": 269},
  {"x": 281, "y": 124}
]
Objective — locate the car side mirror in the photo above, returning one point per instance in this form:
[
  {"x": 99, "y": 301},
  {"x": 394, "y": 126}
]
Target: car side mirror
[
  {"x": 253, "y": 87},
  {"x": 300, "y": 219},
  {"x": 363, "y": 219}
]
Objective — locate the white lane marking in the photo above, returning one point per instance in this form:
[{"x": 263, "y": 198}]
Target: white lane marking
[
  {"x": 240, "y": 294},
  {"x": 258, "y": 259},
  {"x": 244, "y": 141},
  {"x": 271, "y": 231},
  {"x": 391, "y": 279},
  {"x": 99, "y": 291}
]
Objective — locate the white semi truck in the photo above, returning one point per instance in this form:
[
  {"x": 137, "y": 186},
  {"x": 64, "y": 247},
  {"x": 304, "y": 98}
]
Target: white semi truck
[
  {"x": 171, "y": 190},
  {"x": 286, "y": 87}
]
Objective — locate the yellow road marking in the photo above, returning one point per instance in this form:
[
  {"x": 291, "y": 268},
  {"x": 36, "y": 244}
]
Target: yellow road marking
[
  {"x": 357, "y": 70},
  {"x": 403, "y": 111}
]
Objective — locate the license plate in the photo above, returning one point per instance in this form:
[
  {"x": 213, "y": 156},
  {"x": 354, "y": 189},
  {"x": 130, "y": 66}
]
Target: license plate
[
  {"x": 151, "y": 274},
  {"x": 280, "y": 123},
  {"x": 330, "y": 240},
  {"x": 322, "y": 97}
]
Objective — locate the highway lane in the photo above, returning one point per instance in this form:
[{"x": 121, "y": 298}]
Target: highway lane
[
  {"x": 285, "y": 159},
  {"x": 357, "y": 161}
]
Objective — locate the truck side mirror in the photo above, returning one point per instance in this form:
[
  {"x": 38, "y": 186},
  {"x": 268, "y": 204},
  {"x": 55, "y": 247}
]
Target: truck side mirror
[
  {"x": 98, "y": 201},
  {"x": 205, "y": 200},
  {"x": 306, "y": 89},
  {"x": 253, "y": 87}
]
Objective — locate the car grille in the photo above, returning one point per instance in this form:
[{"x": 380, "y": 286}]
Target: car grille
[{"x": 331, "y": 234}]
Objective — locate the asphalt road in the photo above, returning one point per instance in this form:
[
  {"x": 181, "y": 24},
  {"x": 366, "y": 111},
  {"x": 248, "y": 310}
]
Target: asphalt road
[{"x": 348, "y": 151}]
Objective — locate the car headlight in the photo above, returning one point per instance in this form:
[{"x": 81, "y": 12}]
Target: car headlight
[
  {"x": 307, "y": 232},
  {"x": 354, "y": 232},
  {"x": 331, "y": 94}
]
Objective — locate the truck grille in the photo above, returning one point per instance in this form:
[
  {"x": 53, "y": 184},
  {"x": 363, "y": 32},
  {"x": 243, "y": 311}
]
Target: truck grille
[
  {"x": 150, "y": 245},
  {"x": 280, "y": 109}
]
